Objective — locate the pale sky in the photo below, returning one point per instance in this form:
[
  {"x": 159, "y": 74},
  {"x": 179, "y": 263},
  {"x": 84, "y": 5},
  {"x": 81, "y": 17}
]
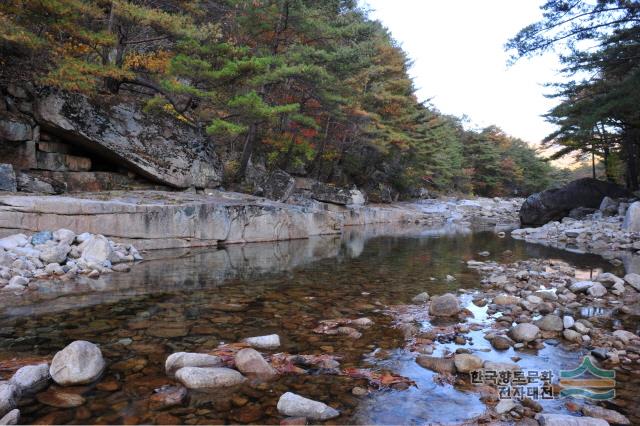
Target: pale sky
[{"x": 460, "y": 62}]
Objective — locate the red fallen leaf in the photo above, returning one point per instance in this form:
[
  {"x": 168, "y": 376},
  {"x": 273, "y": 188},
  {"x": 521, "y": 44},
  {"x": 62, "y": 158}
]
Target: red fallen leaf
[
  {"x": 288, "y": 363},
  {"x": 227, "y": 352},
  {"x": 381, "y": 380},
  {"x": 330, "y": 326}
]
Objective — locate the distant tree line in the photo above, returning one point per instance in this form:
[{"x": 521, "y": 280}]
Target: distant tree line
[{"x": 313, "y": 87}]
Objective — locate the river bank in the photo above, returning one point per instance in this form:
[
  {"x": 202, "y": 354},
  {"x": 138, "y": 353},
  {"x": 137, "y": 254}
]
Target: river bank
[{"x": 161, "y": 220}]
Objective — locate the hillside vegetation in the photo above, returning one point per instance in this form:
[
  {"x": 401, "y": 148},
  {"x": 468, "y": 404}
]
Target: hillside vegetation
[{"x": 315, "y": 88}]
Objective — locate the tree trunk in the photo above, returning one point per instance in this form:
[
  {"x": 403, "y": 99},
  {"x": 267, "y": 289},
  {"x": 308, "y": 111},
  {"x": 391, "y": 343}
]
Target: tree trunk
[
  {"x": 316, "y": 164},
  {"x": 630, "y": 149},
  {"x": 247, "y": 150}
]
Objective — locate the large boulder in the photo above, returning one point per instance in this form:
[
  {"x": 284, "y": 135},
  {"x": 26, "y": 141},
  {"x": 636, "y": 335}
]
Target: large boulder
[
  {"x": 554, "y": 204},
  {"x": 96, "y": 250},
  {"x": 279, "y": 185},
  {"x": 79, "y": 363},
  {"x": 161, "y": 149},
  {"x": 336, "y": 195}
]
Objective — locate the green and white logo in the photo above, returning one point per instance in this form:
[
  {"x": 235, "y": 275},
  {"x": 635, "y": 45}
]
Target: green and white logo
[{"x": 595, "y": 382}]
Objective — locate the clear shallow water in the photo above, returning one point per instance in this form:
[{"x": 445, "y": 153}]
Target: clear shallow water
[{"x": 181, "y": 302}]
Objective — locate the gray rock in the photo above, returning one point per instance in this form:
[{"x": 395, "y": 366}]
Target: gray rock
[
  {"x": 279, "y": 185},
  {"x": 580, "y": 328},
  {"x": 336, "y": 195},
  {"x": 8, "y": 180},
  {"x": 54, "y": 269},
  {"x": 64, "y": 236},
  {"x": 572, "y": 336},
  {"x": 11, "y": 418},
  {"x": 505, "y": 405},
  {"x": 179, "y": 360},
  {"x": 55, "y": 254},
  {"x": 437, "y": 364},
  {"x": 568, "y": 321},
  {"x": 567, "y": 420},
  {"x": 554, "y": 204},
  {"x": 608, "y": 206},
  {"x": 444, "y": 306},
  {"x": 31, "y": 378},
  {"x": 550, "y": 323},
  {"x": 8, "y": 396},
  {"x": 249, "y": 361},
  {"x": 209, "y": 377},
  {"x": 78, "y": 363},
  {"x": 597, "y": 290},
  {"x": 581, "y": 286},
  {"x": 13, "y": 241},
  {"x": 632, "y": 218},
  {"x": 501, "y": 342},
  {"x": 96, "y": 250},
  {"x": 506, "y": 299},
  {"x": 633, "y": 280},
  {"x": 18, "y": 282},
  {"x": 625, "y": 336},
  {"x": 29, "y": 183},
  {"x": 41, "y": 237},
  {"x": 608, "y": 279},
  {"x": 294, "y": 405},
  {"x": 271, "y": 341},
  {"x": 466, "y": 363},
  {"x": 421, "y": 298},
  {"x": 14, "y": 128},
  {"x": 166, "y": 151},
  {"x": 524, "y": 332},
  {"x": 610, "y": 416}
]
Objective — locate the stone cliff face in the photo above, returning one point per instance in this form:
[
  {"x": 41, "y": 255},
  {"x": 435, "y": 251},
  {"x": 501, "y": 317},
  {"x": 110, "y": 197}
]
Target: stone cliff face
[
  {"x": 171, "y": 153},
  {"x": 60, "y": 142}
]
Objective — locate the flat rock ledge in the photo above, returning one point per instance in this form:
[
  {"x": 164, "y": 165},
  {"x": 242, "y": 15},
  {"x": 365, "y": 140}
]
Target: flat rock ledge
[{"x": 161, "y": 219}]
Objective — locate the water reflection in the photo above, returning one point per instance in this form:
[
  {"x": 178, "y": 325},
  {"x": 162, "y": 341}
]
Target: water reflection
[{"x": 194, "y": 300}]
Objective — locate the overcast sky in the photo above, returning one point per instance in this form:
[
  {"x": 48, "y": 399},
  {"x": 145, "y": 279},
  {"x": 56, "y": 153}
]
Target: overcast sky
[{"x": 460, "y": 62}]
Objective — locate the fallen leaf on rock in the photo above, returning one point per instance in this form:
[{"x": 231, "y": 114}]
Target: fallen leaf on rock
[
  {"x": 380, "y": 380},
  {"x": 227, "y": 352}
]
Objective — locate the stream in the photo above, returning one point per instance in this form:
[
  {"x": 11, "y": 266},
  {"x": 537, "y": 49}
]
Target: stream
[{"x": 195, "y": 300}]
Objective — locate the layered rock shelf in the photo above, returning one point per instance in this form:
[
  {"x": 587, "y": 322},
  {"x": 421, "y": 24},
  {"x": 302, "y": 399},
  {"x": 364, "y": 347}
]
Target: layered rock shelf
[{"x": 161, "y": 219}]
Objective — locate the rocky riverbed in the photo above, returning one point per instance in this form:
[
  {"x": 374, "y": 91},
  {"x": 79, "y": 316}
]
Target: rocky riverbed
[
  {"x": 612, "y": 231},
  {"x": 354, "y": 337}
]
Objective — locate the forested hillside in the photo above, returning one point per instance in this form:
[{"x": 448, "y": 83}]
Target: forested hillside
[{"x": 315, "y": 88}]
